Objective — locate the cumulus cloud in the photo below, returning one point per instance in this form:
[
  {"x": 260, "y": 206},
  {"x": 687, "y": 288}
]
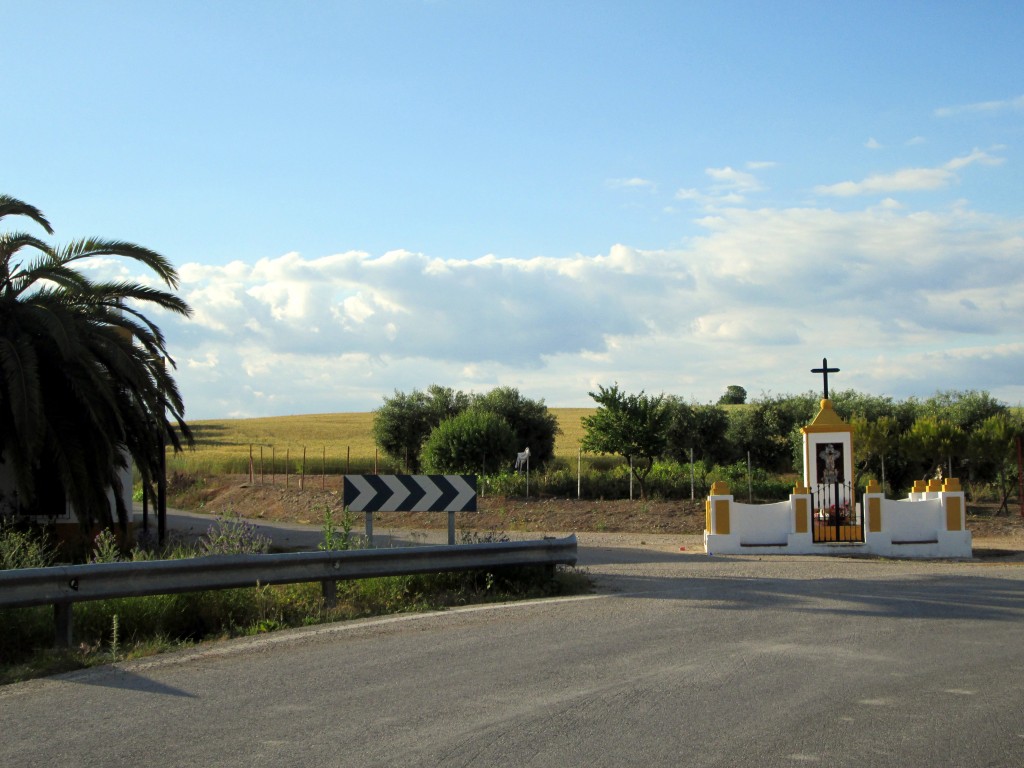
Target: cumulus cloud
[{"x": 757, "y": 297}]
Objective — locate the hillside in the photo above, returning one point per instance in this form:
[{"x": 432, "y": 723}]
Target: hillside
[{"x": 331, "y": 442}]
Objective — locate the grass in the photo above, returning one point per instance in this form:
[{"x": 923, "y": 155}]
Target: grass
[
  {"x": 335, "y": 443},
  {"x": 127, "y": 628}
]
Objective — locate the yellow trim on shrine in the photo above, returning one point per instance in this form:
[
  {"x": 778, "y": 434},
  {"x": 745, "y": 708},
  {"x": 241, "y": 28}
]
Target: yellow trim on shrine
[
  {"x": 953, "y": 513},
  {"x": 827, "y": 420},
  {"x": 722, "y": 516},
  {"x": 874, "y": 514},
  {"x": 800, "y": 507}
]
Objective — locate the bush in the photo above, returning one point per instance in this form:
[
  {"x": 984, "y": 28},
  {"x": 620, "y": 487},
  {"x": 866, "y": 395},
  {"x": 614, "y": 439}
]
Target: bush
[
  {"x": 232, "y": 535},
  {"x": 469, "y": 442},
  {"x": 763, "y": 485}
]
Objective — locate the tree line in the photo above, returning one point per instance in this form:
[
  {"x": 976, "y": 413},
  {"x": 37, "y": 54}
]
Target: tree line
[{"x": 968, "y": 434}]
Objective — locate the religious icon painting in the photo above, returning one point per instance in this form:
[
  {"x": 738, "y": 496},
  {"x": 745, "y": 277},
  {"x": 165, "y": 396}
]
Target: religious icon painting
[{"x": 830, "y": 463}]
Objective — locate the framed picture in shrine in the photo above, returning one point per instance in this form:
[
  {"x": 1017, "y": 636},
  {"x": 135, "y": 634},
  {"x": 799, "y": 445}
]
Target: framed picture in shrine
[{"x": 830, "y": 464}]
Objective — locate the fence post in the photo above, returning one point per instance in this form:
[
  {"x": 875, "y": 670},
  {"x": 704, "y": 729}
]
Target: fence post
[{"x": 691, "y": 476}]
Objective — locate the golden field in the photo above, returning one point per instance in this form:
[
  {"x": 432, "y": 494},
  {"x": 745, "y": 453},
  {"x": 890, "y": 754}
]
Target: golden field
[{"x": 332, "y": 442}]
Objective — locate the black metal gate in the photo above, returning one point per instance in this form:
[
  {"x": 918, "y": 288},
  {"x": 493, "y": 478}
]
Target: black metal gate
[{"x": 836, "y": 518}]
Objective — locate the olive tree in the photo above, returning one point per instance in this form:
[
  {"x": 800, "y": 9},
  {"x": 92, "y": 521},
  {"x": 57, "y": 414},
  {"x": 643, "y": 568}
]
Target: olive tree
[
  {"x": 631, "y": 426},
  {"x": 403, "y": 423},
  {"x": 470, "y": 442}
]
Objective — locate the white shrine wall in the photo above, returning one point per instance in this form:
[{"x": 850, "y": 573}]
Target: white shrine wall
[{"x": 931, "y": 522}]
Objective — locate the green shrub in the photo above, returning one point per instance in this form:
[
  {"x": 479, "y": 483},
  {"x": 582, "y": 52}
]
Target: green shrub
[{"x": 469, "y": 442}]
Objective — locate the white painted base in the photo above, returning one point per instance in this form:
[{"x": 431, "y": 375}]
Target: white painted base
[{"x": 913, "y": 528}]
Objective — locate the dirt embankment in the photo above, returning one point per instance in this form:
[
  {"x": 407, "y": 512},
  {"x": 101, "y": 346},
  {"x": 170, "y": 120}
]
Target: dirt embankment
[{"x": 304, "y": 501}]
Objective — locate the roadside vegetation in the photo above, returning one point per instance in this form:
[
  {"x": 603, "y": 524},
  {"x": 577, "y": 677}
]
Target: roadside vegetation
[
  {"x": 128, "y": 628},
  {"x": 674, "y": 447}
]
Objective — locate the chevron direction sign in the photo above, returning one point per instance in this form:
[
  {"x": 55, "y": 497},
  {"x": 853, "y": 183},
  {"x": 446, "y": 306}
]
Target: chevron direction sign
[{"x": 410, "y": 493}]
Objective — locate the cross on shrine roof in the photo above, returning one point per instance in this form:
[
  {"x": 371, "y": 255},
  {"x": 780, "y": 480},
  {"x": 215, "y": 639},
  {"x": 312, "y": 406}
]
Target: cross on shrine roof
[{"x": 825, "y": 371}]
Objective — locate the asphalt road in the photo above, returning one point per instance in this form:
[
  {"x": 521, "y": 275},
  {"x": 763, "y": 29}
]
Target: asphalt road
[{"x": 677, "y": 660}]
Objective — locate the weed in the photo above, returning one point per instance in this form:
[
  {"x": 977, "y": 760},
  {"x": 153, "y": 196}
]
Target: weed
[
  {"x": 333, "y": 541},
  {"x": 24, "y": 547},
  {"x": 231, "y": 534},
  {"x": 105, "y": 548},
  {"x": 115, "y": 638}
]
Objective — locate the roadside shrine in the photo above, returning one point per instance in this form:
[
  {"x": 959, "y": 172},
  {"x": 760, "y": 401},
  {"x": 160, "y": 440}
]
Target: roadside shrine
[{"x": 823, "y": 515}]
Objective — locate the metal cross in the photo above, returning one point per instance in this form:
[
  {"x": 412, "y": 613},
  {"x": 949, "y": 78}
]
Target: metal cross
[{"x": 825, "y": 371}]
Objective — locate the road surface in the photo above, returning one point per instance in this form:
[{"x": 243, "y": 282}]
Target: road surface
[{"x": 678, "y": 659}]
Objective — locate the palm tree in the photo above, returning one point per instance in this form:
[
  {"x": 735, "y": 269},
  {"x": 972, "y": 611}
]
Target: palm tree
[{"x": 85, "y": 384}]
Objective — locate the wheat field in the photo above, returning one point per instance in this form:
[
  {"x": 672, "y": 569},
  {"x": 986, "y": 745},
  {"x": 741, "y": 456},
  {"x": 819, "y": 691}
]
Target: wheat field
[{"x": 328, "y": 442}]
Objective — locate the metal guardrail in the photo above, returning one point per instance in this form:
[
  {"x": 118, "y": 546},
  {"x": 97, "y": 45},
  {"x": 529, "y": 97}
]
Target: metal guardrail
[{"x": 62, "y": 586}]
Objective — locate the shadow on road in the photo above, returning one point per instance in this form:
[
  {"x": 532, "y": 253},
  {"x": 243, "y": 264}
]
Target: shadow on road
[
  {"x": 915, "y": 597},
  {"x": 113, "y": 677}
]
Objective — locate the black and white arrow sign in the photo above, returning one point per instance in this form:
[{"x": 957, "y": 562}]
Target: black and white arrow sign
[{"x": 410, "y": 493}]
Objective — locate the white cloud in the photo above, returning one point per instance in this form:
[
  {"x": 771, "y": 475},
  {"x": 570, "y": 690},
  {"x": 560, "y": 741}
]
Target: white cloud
[
  {"x": 729, "y": 178},
  {"x": 210, "y": 360},
  {"x": 906, "y": 180},
  {"x": 757, "y": 299},
  {"x": 634, "y": 182},
  {"x": 728, "y": 186},
  {"x": 872, "y": 143},
  {"x": 909, "y": 179},
  {"x": 983, "y": 107},
  {"x": 975, "y": 156}
]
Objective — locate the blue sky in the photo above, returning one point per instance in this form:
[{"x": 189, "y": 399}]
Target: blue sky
[{"x": 370, "y": 196}]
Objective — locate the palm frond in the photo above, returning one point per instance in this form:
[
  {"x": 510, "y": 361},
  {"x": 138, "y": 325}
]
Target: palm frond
[
  {"x": 10, "y": 206},
  {"x": 86, "y": 379},
  {"x": 10, "y": 244},
  {"x": 21, "y": 392},
  {"x": 88, "y": 248}
]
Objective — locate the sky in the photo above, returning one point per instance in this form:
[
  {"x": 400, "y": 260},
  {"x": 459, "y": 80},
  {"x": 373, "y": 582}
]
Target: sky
[{"x": 370, "y": 197}]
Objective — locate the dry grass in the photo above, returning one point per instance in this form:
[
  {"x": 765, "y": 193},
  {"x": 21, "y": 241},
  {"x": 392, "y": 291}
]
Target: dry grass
[{"x": 333, "y": 442}]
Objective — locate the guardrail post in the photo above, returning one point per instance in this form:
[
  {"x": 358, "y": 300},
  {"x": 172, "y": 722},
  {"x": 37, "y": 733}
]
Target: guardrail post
[
  {"x": 330, "y": 588},
  {"x": 62, "y": 621}
]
